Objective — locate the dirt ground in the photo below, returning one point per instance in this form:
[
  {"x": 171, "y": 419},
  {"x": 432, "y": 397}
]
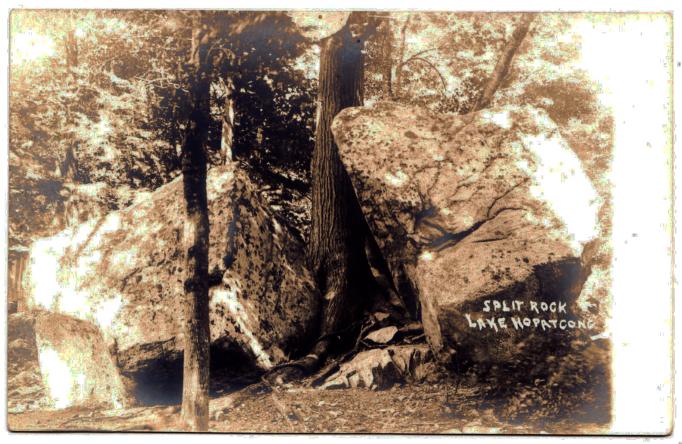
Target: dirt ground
[{"x": 412, "y": 409}]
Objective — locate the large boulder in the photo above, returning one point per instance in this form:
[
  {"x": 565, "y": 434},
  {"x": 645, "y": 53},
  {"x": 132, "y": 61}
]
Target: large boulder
[
  {"x": 491, "y": 206},
  {"x": 56, "y": 361},
  {"x": 124, "y": 273}
]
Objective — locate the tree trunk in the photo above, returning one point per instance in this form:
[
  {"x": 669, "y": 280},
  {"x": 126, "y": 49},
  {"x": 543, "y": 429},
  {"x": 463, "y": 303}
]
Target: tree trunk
[
  {"x": 336, "y": 246},
  {"x": 336, "y": 237},
  {"x": 69, "y": 165},
  {"x": 195, "y": 244},
  {"x": 71, "y": 47},
  {"x": 504, "y": 63},
  {"x": 401, "y": 58},
  {"x": 16, "y": 291},
  {"x": 387, "y": 57},
  {"x": 342, "y": 254},
  {"x": 227, "y": 134}
]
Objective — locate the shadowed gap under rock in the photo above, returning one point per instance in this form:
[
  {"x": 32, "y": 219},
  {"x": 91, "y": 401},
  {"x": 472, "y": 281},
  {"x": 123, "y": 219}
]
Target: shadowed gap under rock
[{"x": 159, "y": 382}]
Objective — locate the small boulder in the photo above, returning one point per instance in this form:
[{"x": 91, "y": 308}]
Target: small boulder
[
  {"x": 382, "y": 335},
  {"x": 25, "y": 388},
  {"x": 57, "y": 362}
]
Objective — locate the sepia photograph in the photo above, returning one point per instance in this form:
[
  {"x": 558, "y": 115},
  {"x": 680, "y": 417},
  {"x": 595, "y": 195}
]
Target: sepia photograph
[{"x": 335, "y": 221}]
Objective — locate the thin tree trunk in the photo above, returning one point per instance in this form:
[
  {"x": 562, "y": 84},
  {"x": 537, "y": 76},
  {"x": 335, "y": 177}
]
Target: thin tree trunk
[
  {"x": 195, "y": 244},
  {"x": 387, "y": 57},
  {"x": 71, "y": 46},
  {"x": 401, "y": 58},
  {"x": 69, "y": 166},
  {"x": 227, "y": 135},
  {"x": 504, "y": 63},
  {"x": 16, "y": 294}
]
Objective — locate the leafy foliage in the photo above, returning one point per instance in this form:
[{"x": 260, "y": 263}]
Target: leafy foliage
[
  {"x": 89, "y": 132},
  {"x": 81, "y": 131}
]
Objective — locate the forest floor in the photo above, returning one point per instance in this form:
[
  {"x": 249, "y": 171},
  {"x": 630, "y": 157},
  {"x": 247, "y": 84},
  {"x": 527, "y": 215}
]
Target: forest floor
[{"x": 434, "y": 408}]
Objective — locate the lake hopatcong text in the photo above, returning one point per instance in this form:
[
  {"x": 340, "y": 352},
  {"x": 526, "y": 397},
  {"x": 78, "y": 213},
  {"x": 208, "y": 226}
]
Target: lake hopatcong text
[{"x": 521, "y": 315}]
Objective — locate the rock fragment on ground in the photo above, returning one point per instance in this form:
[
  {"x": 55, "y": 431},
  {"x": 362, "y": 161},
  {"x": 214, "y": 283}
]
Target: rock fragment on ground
[
  {"x": 57, "y": 361},
  {"x": 383, "y": 335},
  {"x": 381, "y": 368}
]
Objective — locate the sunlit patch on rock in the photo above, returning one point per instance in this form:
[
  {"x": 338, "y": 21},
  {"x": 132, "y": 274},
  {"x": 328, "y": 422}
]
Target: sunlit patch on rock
[{"x": 76, "y": 367}]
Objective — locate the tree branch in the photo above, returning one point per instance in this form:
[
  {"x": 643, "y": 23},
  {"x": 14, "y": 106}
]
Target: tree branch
[
  {"x": 504, "y": 63},
  {"x": 423, "y": 60},
  {"x": 417, "y": 54},
  {"x": 399, "y": 72}
]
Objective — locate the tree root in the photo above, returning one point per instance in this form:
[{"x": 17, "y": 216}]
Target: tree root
[{"x": 300, "y": 368}]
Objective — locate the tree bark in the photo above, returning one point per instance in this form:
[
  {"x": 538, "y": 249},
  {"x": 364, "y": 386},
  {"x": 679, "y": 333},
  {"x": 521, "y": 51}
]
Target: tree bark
[
  {"x": 71, "y": 47},
  {"x": 338, "y": 230},
  {"x": 504, "y": 63},
  {"x": 387, "y": 57},
  {"x": 69, "y": 165},
  {"x": 227, "y": 134},
  {"x": 401, "y": 57},
  {"x": 195, "y": 244},
  {"x": 16, "y": 291}
]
